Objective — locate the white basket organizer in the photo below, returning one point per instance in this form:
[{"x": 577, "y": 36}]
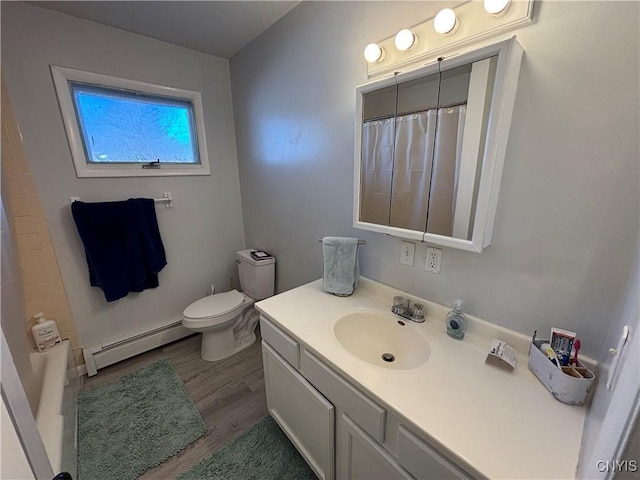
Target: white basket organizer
[{"x": 569, "y": 385}]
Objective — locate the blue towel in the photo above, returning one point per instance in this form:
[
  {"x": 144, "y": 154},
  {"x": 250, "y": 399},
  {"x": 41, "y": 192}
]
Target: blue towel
[
  {"x": 122, "y": 244},
  {"x": 341, "y": 270}
]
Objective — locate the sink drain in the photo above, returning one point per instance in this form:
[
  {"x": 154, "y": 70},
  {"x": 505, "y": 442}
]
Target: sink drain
[{"x": 387, "y": 357}]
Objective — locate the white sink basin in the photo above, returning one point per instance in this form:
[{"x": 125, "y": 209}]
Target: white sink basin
[{"x": 382, "y": 339}]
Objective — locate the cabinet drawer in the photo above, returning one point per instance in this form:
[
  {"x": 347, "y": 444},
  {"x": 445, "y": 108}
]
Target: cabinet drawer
[
  {"x": 366, "y": 413},
  {"x": 422, "y": 461},
  {"x": 281, "y": 342}
]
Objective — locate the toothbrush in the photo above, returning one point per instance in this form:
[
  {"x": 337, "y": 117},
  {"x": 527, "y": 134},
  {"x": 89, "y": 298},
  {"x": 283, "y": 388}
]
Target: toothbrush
[
  {"x": 551, "y": 354},
  {"x": 576, "y": 346}
]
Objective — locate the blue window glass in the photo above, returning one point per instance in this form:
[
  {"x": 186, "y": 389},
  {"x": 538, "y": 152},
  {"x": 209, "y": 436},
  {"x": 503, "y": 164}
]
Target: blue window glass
[{"x": 120, "y": 126}]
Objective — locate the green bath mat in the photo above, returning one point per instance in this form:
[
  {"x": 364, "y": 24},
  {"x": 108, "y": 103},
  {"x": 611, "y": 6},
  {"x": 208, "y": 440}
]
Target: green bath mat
[
  {"x": 132, "y": 424},
  {"x": 261, "y": 453}
]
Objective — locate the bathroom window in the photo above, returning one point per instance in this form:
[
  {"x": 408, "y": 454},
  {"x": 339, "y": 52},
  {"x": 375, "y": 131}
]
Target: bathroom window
[{"x": 125, "y": 128}]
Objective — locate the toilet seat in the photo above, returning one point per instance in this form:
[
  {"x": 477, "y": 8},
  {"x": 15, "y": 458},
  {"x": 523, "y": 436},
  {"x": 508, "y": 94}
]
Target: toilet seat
[{"x": 212, "y": 307}]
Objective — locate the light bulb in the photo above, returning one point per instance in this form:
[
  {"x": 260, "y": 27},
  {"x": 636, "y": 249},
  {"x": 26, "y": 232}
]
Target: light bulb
[
  {"x": 445, "y": 21},
  {"x": 373, "y": 53},
  {"x": 496, "y": 7},
  {"x": 405, "y": 39}
]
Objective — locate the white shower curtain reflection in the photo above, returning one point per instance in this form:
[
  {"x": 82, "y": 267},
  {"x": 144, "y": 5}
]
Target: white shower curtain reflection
[
  {"x": 412, "y": 170},
  {"x": 415, "y": 186},
  {"x": 377, "y": 165},
  {"x": 446, "y": 169}
]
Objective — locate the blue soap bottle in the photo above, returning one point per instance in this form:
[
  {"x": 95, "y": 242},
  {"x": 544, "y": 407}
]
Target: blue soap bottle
[{"x": 456, "y": 321}]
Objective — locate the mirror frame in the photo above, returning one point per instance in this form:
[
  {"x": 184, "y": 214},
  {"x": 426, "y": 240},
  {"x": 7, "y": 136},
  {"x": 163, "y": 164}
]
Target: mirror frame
[{"x": 509, "y": 54}]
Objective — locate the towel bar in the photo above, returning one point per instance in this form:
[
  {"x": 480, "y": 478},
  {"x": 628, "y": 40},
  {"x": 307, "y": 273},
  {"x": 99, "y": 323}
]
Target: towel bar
[
  {"x": 360, "y": 242},
  {"x": 166, "y": 198}
]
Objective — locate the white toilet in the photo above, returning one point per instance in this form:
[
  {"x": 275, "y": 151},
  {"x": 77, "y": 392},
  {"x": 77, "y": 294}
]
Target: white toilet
[{"x": 228, "y": 320}]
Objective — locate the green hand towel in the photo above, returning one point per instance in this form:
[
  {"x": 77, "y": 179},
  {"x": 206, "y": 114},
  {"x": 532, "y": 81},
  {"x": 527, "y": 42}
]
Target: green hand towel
[{"x": 341, "y": 270}]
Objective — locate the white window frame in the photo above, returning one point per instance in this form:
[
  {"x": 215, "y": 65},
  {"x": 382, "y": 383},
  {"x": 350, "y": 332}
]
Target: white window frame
[{"x": 61, "y": 78}]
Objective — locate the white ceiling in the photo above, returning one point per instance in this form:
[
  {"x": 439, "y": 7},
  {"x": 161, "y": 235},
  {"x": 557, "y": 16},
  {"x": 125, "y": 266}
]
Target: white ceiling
[{"x": 220, "y": 28}]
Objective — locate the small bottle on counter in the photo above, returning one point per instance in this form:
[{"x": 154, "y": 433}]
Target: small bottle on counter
[
  {"x": 456, "y": 321},
  {"x": 45, "y": 333}
]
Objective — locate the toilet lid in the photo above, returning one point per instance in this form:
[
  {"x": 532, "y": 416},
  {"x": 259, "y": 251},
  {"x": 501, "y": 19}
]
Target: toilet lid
[{"x": 214, "y": 305}]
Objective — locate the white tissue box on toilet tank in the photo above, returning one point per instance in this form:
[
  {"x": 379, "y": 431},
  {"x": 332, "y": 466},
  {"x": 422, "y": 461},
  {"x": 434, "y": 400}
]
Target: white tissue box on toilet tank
[{"x": 565, "y": 387}]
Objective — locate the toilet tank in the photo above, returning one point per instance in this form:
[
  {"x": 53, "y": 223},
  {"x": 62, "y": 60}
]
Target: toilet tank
[{"x": 257, "y": 277}]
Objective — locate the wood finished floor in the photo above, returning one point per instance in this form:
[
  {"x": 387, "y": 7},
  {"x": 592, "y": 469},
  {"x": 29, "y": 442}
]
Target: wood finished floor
[{"x": 229, "y": 394}]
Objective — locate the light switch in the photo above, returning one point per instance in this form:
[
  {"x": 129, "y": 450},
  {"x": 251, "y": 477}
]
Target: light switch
[{"x": 407, "y": 253}]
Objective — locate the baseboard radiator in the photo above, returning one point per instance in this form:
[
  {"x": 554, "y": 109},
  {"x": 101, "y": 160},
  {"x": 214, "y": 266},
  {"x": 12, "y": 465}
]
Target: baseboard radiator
[{"x": 109, "y": 353}]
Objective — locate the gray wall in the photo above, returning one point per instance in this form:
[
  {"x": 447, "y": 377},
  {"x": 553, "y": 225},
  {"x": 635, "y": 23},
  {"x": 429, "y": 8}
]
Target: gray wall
[
  {"x": 204, "y": 229},
  {"x": 567, "y": 219}
]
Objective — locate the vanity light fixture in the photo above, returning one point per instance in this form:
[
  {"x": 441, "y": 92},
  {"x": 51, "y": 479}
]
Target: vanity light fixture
[
  {"x": 445, "y": 21},
  {"x": 449, "y": 31},
  {"x": 496, "y": 7},
  {"x": 405, "y": 39},
  {"x": 374, "y": 53}
]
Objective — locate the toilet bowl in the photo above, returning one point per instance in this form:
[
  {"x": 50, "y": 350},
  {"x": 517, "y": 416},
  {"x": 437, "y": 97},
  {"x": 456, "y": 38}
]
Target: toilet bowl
[{"x": 227, "y": 320}]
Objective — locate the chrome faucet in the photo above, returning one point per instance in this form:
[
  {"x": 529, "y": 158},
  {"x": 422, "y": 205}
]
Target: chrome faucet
[{"x": 403, "y": 308}]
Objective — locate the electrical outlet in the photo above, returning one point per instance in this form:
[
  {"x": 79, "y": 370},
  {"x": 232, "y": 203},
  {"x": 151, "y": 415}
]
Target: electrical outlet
[
  {"x": 407, "y": 253},
  {"x": 434, "y": 260}
]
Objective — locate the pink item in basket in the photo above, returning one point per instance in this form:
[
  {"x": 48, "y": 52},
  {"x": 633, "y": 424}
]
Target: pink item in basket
[{"x": 576, "y": 347}]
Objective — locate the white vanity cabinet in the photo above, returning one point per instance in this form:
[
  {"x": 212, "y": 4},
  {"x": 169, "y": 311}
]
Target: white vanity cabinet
[
  {"x": 419, "y": 458},
  {"x": 340, "y": 431},
  {"x": 362, "y": 458},
  {"x": 301, "y": 411}
]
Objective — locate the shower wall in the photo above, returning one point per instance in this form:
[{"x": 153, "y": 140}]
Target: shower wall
[{"x": 37, "y": 276}]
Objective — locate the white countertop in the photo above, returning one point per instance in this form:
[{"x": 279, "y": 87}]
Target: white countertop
[{"x": 498, "y": 424}]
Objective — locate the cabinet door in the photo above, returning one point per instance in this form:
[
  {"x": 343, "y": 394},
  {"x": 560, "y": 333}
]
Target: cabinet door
[
  {"x": 362, "y": 458},
  {"x": 423, "y": 461},
  {"x": 301, "y": 411}
]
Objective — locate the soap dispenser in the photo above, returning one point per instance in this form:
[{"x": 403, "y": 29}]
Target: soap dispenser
[
  {"x": 45, "y": 333},
  {"x": 456, "y": 322}
]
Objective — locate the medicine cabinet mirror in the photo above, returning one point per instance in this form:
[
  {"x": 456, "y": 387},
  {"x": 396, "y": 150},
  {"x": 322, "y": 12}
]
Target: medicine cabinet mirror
[{"x": 430, "y": 146}]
